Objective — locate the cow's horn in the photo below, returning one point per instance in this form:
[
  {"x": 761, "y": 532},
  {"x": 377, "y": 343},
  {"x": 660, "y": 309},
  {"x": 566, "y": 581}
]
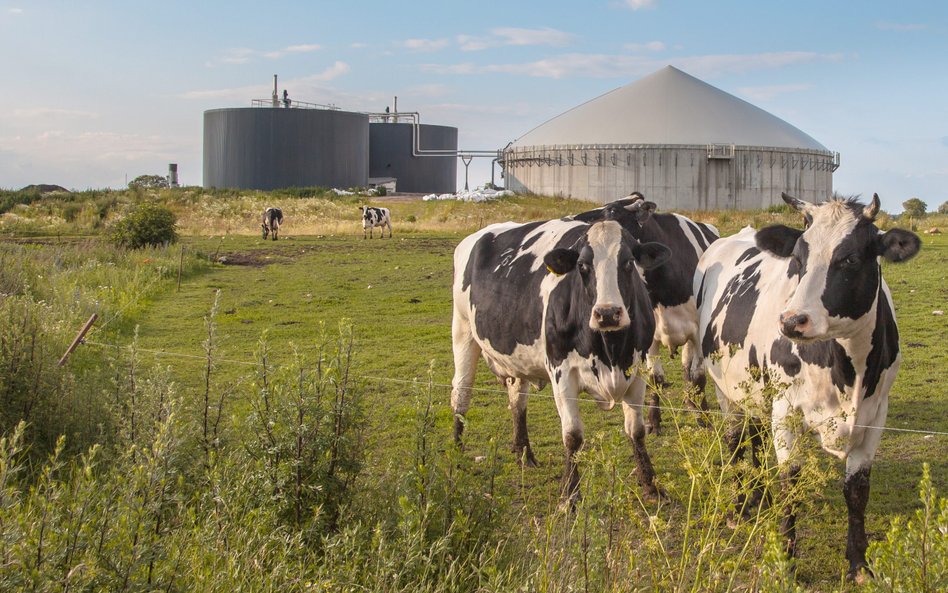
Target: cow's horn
[{"x": 872, "y": 209}]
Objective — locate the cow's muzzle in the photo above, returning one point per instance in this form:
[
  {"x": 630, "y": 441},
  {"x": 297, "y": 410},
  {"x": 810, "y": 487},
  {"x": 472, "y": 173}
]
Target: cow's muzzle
[
  {"x": 795, "y": 325},
  {"x": 608, "y": 318}
]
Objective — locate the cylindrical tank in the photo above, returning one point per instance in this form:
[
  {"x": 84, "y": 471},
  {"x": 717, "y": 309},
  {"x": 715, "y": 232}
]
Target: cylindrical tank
[
  {"x": 390, "y": 155},
  {"x": 271, "y": 148}
]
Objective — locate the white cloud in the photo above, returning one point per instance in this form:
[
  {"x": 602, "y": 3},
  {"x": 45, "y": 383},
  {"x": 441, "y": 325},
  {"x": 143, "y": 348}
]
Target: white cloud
[
  {"x": 901, "y": 27},
  {"x": 765, "y": 93},
  {"x": 243, "y": 55},
  {"x": 45, "y": 113},
  {"x": 624, "y": 66},
  {"x": 15, "y": 10},
  {"x": 264, "y": 91},
  {"x": 650, "y": 46},
  {"x": 425, "y": 44},
  {"x": 639, "y": 4},
  {"x": 504, "y": 36},
  {"x": 292, "y": 49}
]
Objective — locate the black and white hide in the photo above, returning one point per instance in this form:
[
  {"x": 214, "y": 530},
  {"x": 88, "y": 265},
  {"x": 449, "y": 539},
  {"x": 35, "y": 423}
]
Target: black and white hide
[
  {"x": 272, "y": 219},
  {"x": 560, "y": 302},
  {"x": 804, "y": 318},
  {"x": 669, "y": 287},
  {"x": 376, "y": 217}
]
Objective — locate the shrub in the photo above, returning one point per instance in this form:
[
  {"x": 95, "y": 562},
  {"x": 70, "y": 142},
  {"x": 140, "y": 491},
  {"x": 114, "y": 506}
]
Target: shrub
[
  {"x": 943, "y": 209},
  {"x": 149, "y": 182},
  {"x": 914, "y": 555},
  {"x": 148, "y": 225}
]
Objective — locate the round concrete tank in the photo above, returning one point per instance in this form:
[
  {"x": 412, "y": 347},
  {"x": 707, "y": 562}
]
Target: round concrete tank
[
  {"x": 681, "y": 142},
  {"x": 395, "y": 152},
  {"x": 269, "y": 148}
]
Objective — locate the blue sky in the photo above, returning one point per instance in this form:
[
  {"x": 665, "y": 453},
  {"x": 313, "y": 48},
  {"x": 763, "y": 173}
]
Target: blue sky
[{"x": 96, "y": 92}]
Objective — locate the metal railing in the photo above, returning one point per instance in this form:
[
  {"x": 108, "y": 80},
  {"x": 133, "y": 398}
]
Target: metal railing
[{"x": 292, "y": 104}]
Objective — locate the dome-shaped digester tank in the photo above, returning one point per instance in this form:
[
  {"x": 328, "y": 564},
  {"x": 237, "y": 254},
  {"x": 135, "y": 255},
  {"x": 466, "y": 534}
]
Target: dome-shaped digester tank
[
  {"x": 680, "y": 141},
  {"x": 271, "y": 148},
  {"x": 394, "y": 151}
]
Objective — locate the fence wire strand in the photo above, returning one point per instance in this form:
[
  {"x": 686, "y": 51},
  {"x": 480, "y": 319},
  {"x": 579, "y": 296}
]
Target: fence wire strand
[{"x": 446, "y": 386}]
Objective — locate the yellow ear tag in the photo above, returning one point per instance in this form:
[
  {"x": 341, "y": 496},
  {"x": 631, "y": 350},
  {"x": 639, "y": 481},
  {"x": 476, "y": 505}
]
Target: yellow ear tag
[{"x": 550, "y": 270}]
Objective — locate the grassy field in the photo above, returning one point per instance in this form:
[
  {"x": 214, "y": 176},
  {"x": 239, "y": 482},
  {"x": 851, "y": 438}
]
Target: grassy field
[{"x": 396, "y": 293}]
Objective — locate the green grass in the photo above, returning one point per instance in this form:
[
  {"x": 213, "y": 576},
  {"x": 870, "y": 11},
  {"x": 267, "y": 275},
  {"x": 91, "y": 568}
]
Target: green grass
[{"x": 397, "y": 294}]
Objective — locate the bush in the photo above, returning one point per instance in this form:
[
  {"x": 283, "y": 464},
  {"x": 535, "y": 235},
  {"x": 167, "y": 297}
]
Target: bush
[
  {"x": 149, "y": 182},
  {"x": 148, "y": 225},
  {"x": 943, "y": 209}
]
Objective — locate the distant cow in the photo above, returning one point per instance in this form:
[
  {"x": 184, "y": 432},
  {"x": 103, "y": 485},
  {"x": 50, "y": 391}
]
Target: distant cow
[
  {"x": 559, "y": 301},
  {"x": 272, "y": 219},
  {"x": 376, "y": 217},
  {"x": 804, "y": 318},
  {"x": 669, "y": 286}
]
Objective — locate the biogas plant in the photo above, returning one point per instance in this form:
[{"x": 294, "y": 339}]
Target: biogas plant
[{"x": 680, "y": 141}]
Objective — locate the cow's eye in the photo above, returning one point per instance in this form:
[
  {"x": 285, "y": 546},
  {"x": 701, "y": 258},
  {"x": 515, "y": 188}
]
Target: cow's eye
[
  {"x": 583, "y": 268},
  {"x": 851, "y": 260},
  {"x": 629, "y": 265}
]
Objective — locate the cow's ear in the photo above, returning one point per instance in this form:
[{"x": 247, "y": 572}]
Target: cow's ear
[
  {"x": 651, "y": 255},
  {"x": 898, "y": 245},
  {"x": 642, "y": 210},
  {"x": 560, "y": 261},
  {"x": 777, "y": 239}
]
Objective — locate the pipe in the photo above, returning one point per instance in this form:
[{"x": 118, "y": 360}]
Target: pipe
[{"x": 276, "y": 100}]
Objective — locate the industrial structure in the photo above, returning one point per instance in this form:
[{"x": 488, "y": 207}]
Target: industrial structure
[
  {"x": 680, "y": 141},
  {"x": 280, "y": 143}
]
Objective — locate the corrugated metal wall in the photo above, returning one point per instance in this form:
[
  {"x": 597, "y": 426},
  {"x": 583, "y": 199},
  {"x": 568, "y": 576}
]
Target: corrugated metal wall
[
  {"x": 390, "y": 155},
  {"x": 675, "y": 177},
  {"x": 272, "y": 148}
]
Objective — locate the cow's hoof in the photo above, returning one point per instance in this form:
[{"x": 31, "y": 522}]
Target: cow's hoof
[
  {"x": 525, "y": 457},
  {"x": 859, "y": 574},
  {"x": 653, "y": 429},
  {"x": 655, "y": 494}
]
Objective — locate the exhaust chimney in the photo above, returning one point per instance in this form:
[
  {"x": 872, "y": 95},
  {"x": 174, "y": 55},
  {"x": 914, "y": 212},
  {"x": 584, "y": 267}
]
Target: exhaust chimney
[
  {"x": 172, "y": 174},
  {"x": 276, "y": 100}
]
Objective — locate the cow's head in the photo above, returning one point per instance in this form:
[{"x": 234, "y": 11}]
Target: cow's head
[
  {"x": 836, "y": 262},
  {"x": 266, "y": 230},
  {"x": 631, "y": 211},
  {"x": 604, "y": 263}
]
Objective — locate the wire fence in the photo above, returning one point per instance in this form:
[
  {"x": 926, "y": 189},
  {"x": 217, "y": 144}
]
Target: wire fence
[{"x": 447, "y": 386}]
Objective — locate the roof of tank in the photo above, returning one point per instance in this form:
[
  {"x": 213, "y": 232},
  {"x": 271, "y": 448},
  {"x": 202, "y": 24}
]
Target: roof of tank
[{"x": 668, "y": 107}]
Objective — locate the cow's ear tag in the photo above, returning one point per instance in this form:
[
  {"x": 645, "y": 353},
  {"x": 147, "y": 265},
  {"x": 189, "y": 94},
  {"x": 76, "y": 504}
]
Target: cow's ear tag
[{"x": 550, "y": 270}]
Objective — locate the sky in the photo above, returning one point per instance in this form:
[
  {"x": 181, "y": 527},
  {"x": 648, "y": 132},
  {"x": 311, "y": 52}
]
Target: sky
[{"x": 99, "y": 92}]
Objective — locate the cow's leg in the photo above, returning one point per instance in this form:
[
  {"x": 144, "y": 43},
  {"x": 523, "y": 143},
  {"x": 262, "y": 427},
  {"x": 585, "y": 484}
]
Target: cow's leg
[
  {"x": 695, "y": 377},
  {"x": 634, "y": 428},
  {"x": 389, "y": 230},
  {"x": 517, "y": 390},
  {"x": 744, "y": 430},
  {"x": 784, "y": 440},
  {"x": 856, "y": 492},
  {"x": 363, "y": 232},
  {"x": 653, "y": 425},
  {"x": 466, "y": 353},
  {"x": 565, "y": 394}
]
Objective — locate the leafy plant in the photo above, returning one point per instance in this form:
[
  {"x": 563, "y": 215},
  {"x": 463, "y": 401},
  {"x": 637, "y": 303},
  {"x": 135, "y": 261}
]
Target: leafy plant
[
  {"x": 915, "y": 208},
  {"x": 149, "y": 182},
  {"x": 149, "y": 225}
]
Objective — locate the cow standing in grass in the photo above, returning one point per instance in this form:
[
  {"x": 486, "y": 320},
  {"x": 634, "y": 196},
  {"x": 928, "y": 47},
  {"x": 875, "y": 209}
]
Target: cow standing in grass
[
  {"x": 272, "y": 219},
  {"x": 801, "y": 323},
  {"x": 559, "y": 301},
  {"x": 376, "y": 217},
  {"x": 669, "y": 287}
]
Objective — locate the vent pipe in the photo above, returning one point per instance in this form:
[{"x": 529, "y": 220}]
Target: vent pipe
[{"x": 276, "y": 99}]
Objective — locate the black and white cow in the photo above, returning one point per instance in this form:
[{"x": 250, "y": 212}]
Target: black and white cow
[
  {"x": 376, "y": 217},
  {"x": 669, "y": 286},
  {"x": 272, "y": 219},
  {"x": 559, "y": 301},
  {"x": 804, "y": 318}
]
